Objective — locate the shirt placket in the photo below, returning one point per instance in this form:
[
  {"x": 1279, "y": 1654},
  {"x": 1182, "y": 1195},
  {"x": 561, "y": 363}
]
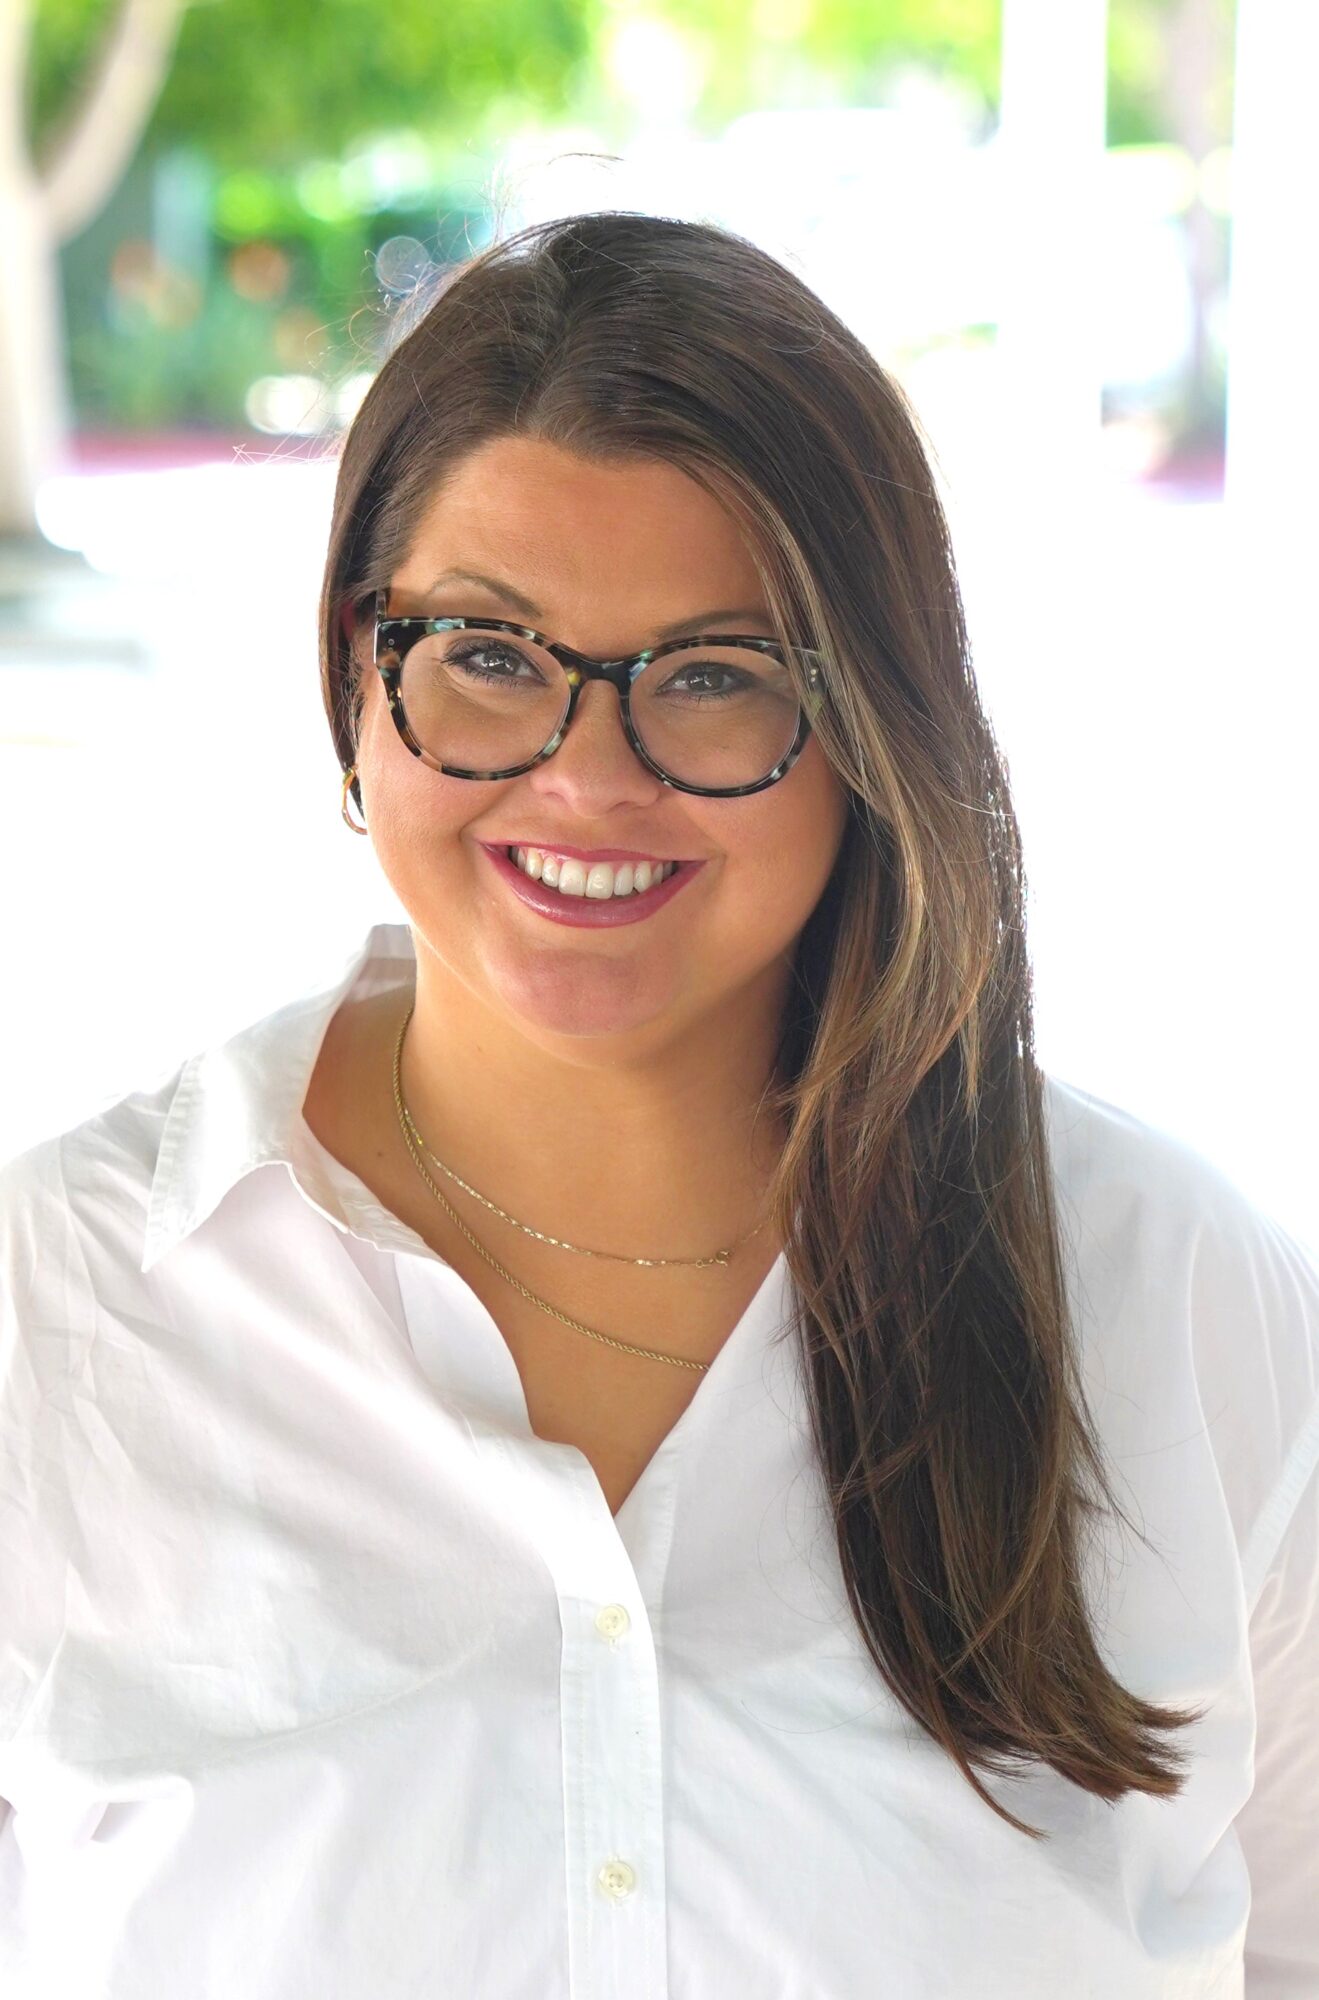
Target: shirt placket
[{"x": 610, "y": 1727}]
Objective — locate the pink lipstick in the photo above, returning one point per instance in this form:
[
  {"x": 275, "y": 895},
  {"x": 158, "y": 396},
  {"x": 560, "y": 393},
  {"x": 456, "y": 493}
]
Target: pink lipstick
[{"x": 582, "y": 912}]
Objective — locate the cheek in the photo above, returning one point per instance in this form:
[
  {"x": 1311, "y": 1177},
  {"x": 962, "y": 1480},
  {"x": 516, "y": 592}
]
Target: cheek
[
  {"x": 411, "y": 809},
  {"x": 801, "y": 829},
  {"x": 782, "y": 849}
]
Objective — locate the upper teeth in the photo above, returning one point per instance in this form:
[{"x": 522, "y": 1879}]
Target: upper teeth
[{"x": 600, "y": 879}]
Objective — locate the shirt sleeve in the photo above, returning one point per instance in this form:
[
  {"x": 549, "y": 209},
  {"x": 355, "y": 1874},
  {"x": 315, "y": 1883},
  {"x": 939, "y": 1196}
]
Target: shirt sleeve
[
  {"x": 40, "y": 1275},
  {"x": 1278, "y": 1827},
  {"x": 1254, "y": 1308}
]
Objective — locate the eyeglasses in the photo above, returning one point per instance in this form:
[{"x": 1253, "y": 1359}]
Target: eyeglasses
[{"x": 720, "y": 716}]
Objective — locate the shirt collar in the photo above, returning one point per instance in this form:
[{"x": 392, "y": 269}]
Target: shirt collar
[{"x": 238, "y": 1105}]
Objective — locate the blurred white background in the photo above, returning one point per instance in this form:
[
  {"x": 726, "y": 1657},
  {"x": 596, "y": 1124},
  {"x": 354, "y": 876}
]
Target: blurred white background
[{"x": 177, "y": 861}]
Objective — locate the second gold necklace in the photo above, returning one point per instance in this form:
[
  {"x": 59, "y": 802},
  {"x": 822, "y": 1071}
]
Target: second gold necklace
[{"x": 591, "y": 1333}]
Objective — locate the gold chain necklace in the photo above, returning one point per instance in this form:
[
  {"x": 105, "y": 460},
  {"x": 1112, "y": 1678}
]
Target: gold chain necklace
[
  {"x": 626, "y": 1347},
  {"x": 611, "y": 1256}
]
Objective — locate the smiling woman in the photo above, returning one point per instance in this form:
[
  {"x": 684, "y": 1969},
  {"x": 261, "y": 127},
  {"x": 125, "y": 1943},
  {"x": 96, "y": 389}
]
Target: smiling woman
[
  {"x": 626, "y": 1408},
  {"x": 572, "y": 784}
]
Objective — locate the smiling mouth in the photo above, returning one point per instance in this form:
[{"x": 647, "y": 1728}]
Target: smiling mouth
[{"x": 601, "y": 881}]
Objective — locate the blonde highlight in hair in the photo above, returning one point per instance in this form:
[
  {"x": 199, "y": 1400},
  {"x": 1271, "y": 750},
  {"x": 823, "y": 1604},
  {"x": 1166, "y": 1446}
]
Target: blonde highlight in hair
[{"x": 914, "y": 1194}]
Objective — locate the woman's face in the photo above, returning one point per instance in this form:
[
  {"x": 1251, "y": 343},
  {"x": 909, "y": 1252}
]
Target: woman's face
[{"x": 604, "y": 557}]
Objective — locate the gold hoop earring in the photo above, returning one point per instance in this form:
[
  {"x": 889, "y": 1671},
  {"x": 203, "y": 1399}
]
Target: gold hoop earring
[{"x": 348, "y": 777}]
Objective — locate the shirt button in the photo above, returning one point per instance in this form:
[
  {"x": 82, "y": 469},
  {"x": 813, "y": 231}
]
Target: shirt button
[
  {"x": 617, "y": 1879},
  {"x": 613, "y": 1621}
]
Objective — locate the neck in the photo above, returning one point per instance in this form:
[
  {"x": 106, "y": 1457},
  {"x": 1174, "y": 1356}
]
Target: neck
[{"x": 658, "y": 1148}]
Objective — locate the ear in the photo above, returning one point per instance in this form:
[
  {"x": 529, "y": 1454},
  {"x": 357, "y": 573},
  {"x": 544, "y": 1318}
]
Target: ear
[{"x": 348, "y": 619}]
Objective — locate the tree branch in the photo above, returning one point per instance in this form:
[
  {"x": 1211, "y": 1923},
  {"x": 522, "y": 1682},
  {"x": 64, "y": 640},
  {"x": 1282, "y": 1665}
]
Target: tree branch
[{"x": 102, "y": 132}]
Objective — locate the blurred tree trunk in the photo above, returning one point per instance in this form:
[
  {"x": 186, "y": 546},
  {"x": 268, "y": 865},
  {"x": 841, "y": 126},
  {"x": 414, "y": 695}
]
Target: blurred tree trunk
[{"x": 42, "y": 204}]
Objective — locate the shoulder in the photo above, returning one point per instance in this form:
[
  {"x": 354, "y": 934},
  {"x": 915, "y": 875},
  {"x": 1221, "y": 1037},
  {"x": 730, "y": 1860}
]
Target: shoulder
[
  {"x": 72, "y": 1210},
  {"x": 1127, "y": 1187},
  {"x": 1192, "y": 1304},
  {"x": 102, "y": 1165},
  {"x": 1116, "y": 1167}
]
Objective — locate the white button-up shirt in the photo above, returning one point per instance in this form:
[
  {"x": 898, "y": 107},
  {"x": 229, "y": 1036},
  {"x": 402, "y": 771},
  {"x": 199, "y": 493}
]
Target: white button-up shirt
[{"x": 323, "y": 1678}]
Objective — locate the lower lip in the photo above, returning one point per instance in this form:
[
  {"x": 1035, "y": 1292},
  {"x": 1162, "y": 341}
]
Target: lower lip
[{"x": 589, "y": 912}]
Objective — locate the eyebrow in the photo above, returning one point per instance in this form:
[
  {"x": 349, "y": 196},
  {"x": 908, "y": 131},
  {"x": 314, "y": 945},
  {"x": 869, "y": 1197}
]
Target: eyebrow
[{"x": 685, "y": 628}]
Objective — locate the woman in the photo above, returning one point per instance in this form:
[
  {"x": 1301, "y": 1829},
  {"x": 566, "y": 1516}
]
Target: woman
[{"x": 636, "y": 1444}]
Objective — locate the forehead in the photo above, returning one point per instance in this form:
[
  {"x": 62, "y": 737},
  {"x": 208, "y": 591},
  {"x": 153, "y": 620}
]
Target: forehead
[{"x": 636, "y": 532}]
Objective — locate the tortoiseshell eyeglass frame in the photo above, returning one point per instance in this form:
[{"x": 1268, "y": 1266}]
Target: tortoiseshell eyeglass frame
[{"x": 394, "y": 637}]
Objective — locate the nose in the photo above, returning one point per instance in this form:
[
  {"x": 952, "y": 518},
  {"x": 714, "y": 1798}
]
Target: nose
[{"x": 595, "y": 766}]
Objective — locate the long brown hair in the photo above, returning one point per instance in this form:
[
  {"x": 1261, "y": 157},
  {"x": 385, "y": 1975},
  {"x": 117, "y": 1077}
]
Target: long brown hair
[{"x": 914, "y": 1195}]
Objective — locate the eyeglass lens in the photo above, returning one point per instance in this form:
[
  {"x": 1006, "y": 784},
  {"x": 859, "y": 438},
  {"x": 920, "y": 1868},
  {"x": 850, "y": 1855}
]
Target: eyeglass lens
[{"x": 717, "y": 716}]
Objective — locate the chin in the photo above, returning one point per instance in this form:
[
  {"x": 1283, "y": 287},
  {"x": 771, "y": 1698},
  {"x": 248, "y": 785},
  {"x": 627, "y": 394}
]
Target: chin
[{"x": 586, "y": 1001}]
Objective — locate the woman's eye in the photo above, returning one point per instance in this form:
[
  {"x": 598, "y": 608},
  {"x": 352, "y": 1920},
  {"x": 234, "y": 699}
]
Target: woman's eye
[
  {"x": 488, "y": 662},
  {"x": 706, "y": 683}
]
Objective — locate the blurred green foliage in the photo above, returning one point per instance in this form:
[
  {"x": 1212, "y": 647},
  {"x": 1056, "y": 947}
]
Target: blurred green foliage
[
  {"x": 268, "y": 81},
  {"x": 314, "y": 131},
  {"x": 1141, "y": 67},
  {"x": 318, "y": 129}
]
